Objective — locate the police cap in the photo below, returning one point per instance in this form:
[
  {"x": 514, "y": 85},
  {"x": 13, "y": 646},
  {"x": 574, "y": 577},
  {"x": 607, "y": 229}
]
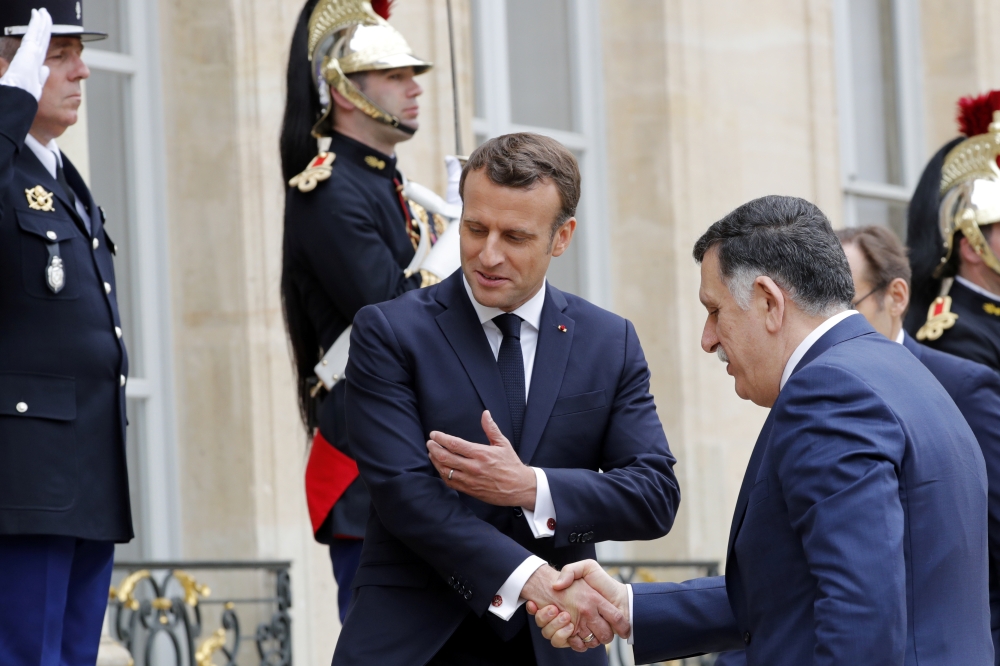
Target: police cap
[{"x": 67, "y": 18}]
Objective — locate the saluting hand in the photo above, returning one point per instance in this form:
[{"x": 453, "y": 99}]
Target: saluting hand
[
  {"x": 27, "y": 69},
  {"x": 493, "y": 474}
]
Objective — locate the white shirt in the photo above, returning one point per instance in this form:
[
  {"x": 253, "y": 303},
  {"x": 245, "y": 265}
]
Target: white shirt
[
  {"x": 793, "y": 361},
  {"x": 51, "y": 158},
  {"x": 976, "y": 288},
  {"x": 538, "y": 520}
]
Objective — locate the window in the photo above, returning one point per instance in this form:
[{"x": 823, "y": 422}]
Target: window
[
  {"x": 878, "y": 77},
  {"x": 537, "y": 69},
  {"x": 118, "y": 146}
]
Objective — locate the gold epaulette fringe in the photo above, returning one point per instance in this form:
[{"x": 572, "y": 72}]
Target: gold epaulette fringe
[{"x": 319, "y": 169}]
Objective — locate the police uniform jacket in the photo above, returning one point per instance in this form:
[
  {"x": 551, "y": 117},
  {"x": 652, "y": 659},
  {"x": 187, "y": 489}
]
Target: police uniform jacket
[
  {"x": 346, "y": 246},
  {"x": 62, "y": 360},
  {"x": 975, "y": 335}
]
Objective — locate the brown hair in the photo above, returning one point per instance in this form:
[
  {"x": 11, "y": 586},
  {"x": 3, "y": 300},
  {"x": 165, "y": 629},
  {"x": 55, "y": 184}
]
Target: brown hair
[
  {"x": 8, "y": 47},
  {"x": 883, "y": 252},
  {"x": 524, "y": 160}
]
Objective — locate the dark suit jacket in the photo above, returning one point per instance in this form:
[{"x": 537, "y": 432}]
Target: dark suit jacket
[
  {"x": 859, "y": 535},
  {"x": 432, "y": 556},
  {"x": 975, "y": 388},
  {"x": 62, "y": 459}
]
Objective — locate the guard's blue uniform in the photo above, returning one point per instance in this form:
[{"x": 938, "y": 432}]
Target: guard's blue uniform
[{"x": 64, "y": 497}]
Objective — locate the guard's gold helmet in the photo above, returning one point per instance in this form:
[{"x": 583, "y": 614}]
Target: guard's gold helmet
[
  {"x": 970, "y": 181},
  {"x": 347, "y": 37}
]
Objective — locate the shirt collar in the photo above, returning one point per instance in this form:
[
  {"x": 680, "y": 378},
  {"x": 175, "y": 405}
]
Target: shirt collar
[
  {"x": 531, "y": 311},
  {"x": 810, "y": 340},
  {"x": 976, "y": 288},
  {"x": 901, "y": 336},
  {"x": 48, "y": 155}
]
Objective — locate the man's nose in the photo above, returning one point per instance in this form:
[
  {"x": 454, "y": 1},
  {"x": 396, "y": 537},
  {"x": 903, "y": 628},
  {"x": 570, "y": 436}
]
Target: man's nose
[
  {"x": 80, "y": 70},
  {"x": 416, "y": 90},
  {"x": 709, "y": 340},
  {"x": 491, "y": 254}
]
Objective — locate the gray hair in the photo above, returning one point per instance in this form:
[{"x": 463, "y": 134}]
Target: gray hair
[{"x": 788, "y": 240}]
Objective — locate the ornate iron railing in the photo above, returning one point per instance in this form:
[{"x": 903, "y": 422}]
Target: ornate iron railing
[
  {"x": 164, "y": 616},
  {"x": 649, "y": 571}
]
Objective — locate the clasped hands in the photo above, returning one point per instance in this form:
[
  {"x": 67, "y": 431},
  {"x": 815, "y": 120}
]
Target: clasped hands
[{"x": 580, "y": 602}]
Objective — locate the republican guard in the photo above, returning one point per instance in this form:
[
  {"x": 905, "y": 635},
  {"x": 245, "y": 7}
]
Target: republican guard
[
  {"x": 356, "y": 232},
  {"x": 954, "y": 239},
  {"x": 64, "y": 499}
]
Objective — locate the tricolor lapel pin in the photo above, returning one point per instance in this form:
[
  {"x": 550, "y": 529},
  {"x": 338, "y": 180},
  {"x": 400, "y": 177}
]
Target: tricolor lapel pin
[{"x": 562, "y": 329}]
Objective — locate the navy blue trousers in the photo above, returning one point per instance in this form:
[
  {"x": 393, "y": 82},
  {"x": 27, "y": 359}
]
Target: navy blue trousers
[
  {"x": 53, "y": 593},
  {"x": 345, "y": 554}
]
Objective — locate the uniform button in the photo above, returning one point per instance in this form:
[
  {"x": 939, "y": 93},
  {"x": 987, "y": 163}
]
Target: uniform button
[
  {"x": 517, "y": 512},
  {"x": 51, "y": 235},
  {"x": 497, "y": 601},
  {"x": 96, "y": 243},
  {"x": 573, "y": 537},
  {"x": 107, "y": 287},
  {"x": 468, "y": 595},
  {"x": 746, "y": 638},
  {"x": 551, "y": 524},
  {"x": 118, "y": 332},
  {"x": 123, "y": 380},
  {"x": 21, "y": 407}
]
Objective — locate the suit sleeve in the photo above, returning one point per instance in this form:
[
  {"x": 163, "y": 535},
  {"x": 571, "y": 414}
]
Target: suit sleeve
[
  {"x": 836, "y": 449},
  {"x": 348, "y": 254},
  {"x": 412, "y": 501},
  {"x": 980, "y": 405},
  {"x": 17, "y": 113},
  {"x": 636, "y": 496},
  {"x": 679, "y": 620}
]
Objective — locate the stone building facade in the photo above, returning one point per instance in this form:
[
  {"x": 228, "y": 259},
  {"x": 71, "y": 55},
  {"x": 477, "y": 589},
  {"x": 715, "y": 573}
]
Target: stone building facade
[{"x": 679, "y": 110}]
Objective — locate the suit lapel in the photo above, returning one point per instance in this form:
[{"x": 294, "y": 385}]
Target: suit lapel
[
  {"x": 849, "y": 328},
  {"x": 37, "y": 173},
  {"x": 551, "y": 357},
  {"x": 749, "y": 478},
  {"x": 465, "y": 334}
]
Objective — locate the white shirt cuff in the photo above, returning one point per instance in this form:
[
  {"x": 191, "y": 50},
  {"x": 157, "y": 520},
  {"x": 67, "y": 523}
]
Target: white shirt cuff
[
  {"x": 544, "y": 514},
  {"x": 631, "y": 624},
  {"x": 508, "y": 597}
]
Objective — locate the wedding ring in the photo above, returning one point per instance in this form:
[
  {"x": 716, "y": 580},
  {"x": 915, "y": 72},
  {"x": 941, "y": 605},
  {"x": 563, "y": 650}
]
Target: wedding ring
[
  {"x": 589, "y": 638},
  {"x": 450, "y": 474}
]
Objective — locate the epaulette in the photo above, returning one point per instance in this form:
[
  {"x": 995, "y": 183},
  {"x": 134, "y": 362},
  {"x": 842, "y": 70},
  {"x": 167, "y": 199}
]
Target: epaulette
[
  {"x": 319, "y": 169},
  {"x": 939, "y": 319}
]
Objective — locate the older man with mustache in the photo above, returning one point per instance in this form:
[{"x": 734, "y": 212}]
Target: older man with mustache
[{"x": 859, "y": 535}]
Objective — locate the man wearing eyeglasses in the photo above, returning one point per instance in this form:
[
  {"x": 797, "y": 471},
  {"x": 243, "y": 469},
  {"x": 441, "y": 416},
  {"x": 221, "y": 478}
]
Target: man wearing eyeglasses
[{"x": 881, "y": 272}]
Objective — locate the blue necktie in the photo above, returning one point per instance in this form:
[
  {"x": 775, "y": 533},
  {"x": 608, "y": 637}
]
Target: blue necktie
[{"x": 511, "y": 364}]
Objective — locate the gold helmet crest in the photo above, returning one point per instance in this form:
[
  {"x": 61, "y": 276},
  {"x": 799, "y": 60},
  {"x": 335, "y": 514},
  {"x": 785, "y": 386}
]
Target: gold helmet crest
[
  {"x": 970, "y": 181},
  {"x": 347, "y": 37}
]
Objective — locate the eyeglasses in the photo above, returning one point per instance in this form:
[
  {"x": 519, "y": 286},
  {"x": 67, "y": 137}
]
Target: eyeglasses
[{"x": 855, "y": 304}]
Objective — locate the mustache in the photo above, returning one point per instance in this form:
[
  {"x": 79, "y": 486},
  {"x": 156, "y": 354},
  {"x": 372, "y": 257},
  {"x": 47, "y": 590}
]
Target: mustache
[{"x": 721, "y": 353}]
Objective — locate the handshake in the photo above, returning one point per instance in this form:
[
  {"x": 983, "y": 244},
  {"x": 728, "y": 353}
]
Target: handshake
[{"x": 580, "y": 607}]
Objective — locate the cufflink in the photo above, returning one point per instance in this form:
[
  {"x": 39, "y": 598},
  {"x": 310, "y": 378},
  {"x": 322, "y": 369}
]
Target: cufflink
[
  {"x": 551, "y": 524},
  {"x": 497, "y": 601}
]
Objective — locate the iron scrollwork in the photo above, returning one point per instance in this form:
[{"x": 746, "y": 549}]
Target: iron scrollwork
[{"x": 156, "y": 613}]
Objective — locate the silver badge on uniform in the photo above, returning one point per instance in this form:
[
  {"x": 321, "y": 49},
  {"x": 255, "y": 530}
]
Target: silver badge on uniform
[{"x": 55, "y": 276}]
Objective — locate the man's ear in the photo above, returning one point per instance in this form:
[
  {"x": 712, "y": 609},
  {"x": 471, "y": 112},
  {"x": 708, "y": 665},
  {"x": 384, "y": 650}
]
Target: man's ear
[
  {"x": 341, "y": 101},
  {"x": 769, "y": 298},
  {"x": 564, "y": 235},
  {"x": 899, "y": 295},
  {"x": 969, "y": 256}
]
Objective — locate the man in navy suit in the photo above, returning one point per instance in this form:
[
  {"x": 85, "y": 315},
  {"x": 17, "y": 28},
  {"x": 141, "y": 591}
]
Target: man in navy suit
[
  {"x": 573, "y": 451},
  {"x": 881, "y": 274},
  {"x": 64, "y": 498},
  {"x": 859, "y": 535}
]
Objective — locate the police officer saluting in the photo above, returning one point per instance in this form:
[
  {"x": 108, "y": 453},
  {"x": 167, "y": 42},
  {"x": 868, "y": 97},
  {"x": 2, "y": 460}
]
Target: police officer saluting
[{"x": 63, "y": 486}]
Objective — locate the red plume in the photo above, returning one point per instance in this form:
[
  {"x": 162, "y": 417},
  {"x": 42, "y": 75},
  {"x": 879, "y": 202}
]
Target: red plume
[
  {"x": 976, "y": 113},
  {"x": 382, "y": 8}
]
